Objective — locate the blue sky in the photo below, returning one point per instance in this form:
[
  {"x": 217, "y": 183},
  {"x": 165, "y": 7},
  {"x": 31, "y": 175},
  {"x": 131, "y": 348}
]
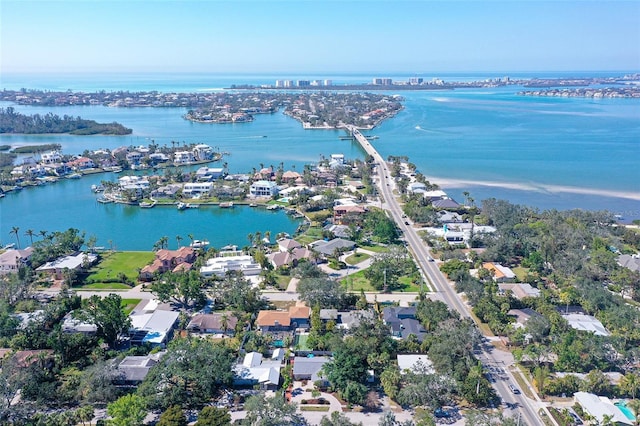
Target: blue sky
[{"x": 324, "y": 35}]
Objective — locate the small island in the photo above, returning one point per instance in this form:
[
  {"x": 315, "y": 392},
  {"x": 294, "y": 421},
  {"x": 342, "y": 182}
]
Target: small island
[{"x": 15, "y": 122}]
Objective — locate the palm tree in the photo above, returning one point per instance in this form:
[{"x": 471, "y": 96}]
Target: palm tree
[
  {"x": 630, "y": 384},
  {"x": 190, "y": 236},
  {"x": 250, "y": 238},
  {"x": 43, "y": 234},
  {"x": 15, "y": 230},
  {"x": 29, "y": 233},
  {"x": 634, "y": 405},
  {"x": 164, "y": 242},
  {"x": 178, "y": 239}
]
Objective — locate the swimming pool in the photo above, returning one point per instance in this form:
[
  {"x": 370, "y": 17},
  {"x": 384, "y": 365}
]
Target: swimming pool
[{"x": 625, "y": 410}]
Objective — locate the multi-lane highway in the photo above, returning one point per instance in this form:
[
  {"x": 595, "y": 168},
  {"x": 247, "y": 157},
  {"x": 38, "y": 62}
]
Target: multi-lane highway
[{"x": 516, "y": 404}]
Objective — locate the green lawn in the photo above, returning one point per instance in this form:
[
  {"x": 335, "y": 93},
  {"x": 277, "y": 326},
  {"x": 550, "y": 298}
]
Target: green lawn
[
  {"x": 521, "y": 273},
  {"x": 301, "y": 342},
  {"x": 374, "y": 247},
  {"x": 129, "y": 304},
  {"x": 312, "y": 234},
  {"x": 357, "y": 282},
  {"x": 127, "y": 262},
  {"x": 283, "y": 281},
  {"x": 357, "y": 258},
  {"x": 105, "y": 286}
]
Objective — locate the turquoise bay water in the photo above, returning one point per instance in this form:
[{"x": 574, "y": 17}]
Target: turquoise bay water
[{"x": 545, "y": 152}]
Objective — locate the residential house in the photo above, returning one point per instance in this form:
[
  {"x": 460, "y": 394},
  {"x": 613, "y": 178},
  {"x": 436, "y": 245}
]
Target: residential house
[
  {"x": 51, "y": 157},
  {"x": 403, "y": 323},
  {"x": 183, "y": 157},
  {"x": 290, "y": 252},
  {"x": 81, "y": 163},
  {"x": 340, "y": 213},
  {"x": 351, "y": 319},
  {"x": 522, "y": 316},
  {"x": 168, "y": 260},
  {"x": 519, "y": 290},
  {"x": 586, "y": 323},
  {"x": 339, "y": 231},
  {"x": 196, "y": 189},
  {"x": 445, "y": 203},
  {"x": 500, "y": 273},
  {"x": 630, "y": 261},
  {"x": 134, "y": 157},
  {"x": 12, "y": 259},
  {"x": 263, "y": 188},
  {"x": 269, "y": 321},
  {"x": 202, "y": 152},
  {"x": 290, "y": 176},
  {"x": 74, "y": 262},
  {"x": 305, "y": 368},
  {"x": 132, "y": 370},
  {"x": 255, "y": 370},
  {"x": 207, "y": 174},
  {"x": 328, "y": 248},
  {"x": 216, "y": 323},
  {"x": 231, "y": 261},
  {"x": 299, "y": 315},
  {"x": 414, "y": 363},
  {"x": 74, "y": 325},
  {"x": 601, "y": 407},
  {"x": 155, "y": 329}
]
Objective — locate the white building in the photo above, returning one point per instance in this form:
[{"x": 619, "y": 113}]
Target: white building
[
  {"x": 263, "y": 188},
  {"x": 599, "y": 407},
  {"x": 230, "y": 261},
  {"x": 586, "y": 323},
  {"x": 133, "y": 182},
  {"x": 203, "y": 152},
  {"x": 197, "y": 188},
  {"x": 11, "y": 260},
  {"x": 209, "y": 173},
  {"x": 51, "y": 157},
  {"x": 182, "y": 157}
]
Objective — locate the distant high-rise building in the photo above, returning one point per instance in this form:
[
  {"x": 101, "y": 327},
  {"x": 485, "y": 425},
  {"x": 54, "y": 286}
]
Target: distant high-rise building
[
  {"x": 316, "y": 83},
  {"x": 377, "y": 81},
  {"x": 387, "y": 82},
  {"x": 288, "y": 83},
  {"x": 279, "y": 83},
  {"x": 303, "y": 83},
  {"x": 415, "y": 80},
  {"x": 328, "y": 83}
]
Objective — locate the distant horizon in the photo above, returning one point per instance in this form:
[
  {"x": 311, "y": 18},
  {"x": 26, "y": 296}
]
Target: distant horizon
[{"x": 257, "y": 37}]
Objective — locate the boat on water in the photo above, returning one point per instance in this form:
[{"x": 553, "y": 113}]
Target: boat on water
[
  {"x": 273, "y": 207},
  {"x": 226, "y": 205},
  {"x": 181, "y": 206},
  {"x": 104, "y": 200},
  {"x": 97, "y": 188},
  {"x": 147, "y": 205},
  {"x": 193, "y": 206},
  {"x": 74, "y": 176},
  {"x": 253, "y": 205},
  {"x": 199, "y": 243}
]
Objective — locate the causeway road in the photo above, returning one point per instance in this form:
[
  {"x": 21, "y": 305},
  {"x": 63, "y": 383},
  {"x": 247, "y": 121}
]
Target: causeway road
[{"x": 517, "y": 405}]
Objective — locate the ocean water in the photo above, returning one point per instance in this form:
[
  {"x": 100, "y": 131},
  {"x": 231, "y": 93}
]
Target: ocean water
[{"x": 544, "y": 152}]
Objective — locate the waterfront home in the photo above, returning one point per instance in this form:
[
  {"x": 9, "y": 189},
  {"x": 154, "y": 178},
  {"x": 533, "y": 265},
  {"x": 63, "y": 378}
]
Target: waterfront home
[
  {"x": 158, "y": 157},
  {"x": 256, "y": 371},
  {"x": 134, "y": 157},
  {"x": 223, "y": 323},
  {"x": 133, "y": 182},
  {"x": 155, "y": 328},
  {"x": 263, "y": 188},
  {"x": 290, "y": 176},
  {"x": 416, "y": 188},
  {"x": 12, "y": 259},
  {"x": 230, "y": 261},
  {"x": 202, "y": 152},
  {"x": 183, "y": 157},
  {"x": 630, "y": 261},
  {"x": 27, "y": 171},
  {"x": 339, "y": 231},
  {"x": 74, "y": 262},
  {"x": 445, "y": 203},
  {"x": 168, "y": 260},
  {"x": 81, "y": 163},
  {"x": 336, "y": 160},
  {"x": 206, "y": 174},
  {"x": 499, "y": 273},
  {"x": 197, "y": 188},
  {"x": 51, "y": 157},
  {"x": 168, "y": 191}
]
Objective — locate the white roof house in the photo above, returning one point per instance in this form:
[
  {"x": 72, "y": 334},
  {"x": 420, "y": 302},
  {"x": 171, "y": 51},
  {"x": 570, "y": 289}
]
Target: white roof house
[
  {"x": 586, "y": 323},
  {"x": 240, "y": 262},
  {"x": 263, "y": 188},
  {"x": 411, "y": 362},
  {"x": 133, "y": 182},
  {"x": 12, "y": 259},
  {"x": 197, "y": 188},
  {"x": 601, "y": 406},
  {"x": 254, "y": 369},
  {"x": 71, "y": 262},
  {"x": 154, "y": 328}
]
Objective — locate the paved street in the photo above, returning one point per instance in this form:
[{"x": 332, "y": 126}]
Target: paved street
[{"x": 518, "y": 405}]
